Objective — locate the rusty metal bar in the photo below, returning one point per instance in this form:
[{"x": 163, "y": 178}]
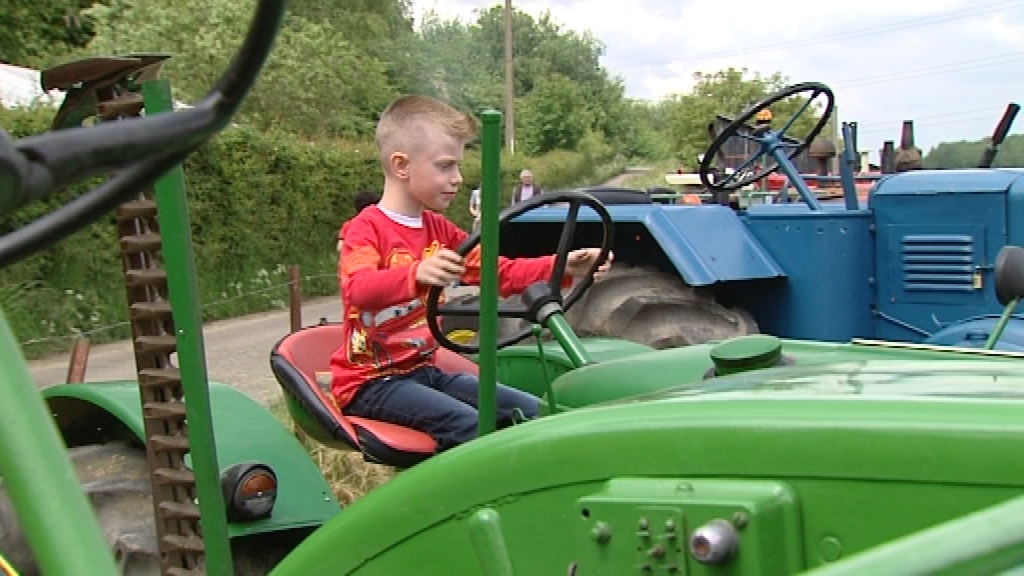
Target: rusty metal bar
[
  {"x": 79, "y": 361},
  {"x": 295, "y": 297}
]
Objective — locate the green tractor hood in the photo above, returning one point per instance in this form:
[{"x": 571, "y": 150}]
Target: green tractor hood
[{"x": 861, "y": 367}]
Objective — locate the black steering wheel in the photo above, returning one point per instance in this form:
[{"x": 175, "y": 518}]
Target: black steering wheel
[
  {"x": 749, "y": 171},
  {"x": 554, "y": 284}
]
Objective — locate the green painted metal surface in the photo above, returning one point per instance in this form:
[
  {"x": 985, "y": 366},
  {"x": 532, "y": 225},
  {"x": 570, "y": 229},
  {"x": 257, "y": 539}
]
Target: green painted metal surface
[
  {"x": 574, "y": 349},
  {"x": 490, "y": 206},
  {"x": 860, "y": 471},
  {"x": 57, "y": 519},
  {"x": 521, "y": 366},
  {"x": 746, "y": 353},
  {"x": 640, "y": 525},
  {"x": 245, "y": 431},
  {"x": 183, "y": 292},
  {"x": 816, "y": 367},
  {"x": 990, "y": 541},
  {"x": 489, "y": 543}
]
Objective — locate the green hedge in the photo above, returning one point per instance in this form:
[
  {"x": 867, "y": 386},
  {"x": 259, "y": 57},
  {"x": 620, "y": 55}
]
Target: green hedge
[{"x": 258, "y": 203}]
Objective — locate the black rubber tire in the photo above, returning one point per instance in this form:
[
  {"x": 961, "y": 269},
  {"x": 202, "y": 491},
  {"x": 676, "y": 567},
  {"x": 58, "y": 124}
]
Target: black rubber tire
[
  {"x": 654, "y": 309},
  {"x": 116, "y": 480},
  {"x": 115, "y": 477}
]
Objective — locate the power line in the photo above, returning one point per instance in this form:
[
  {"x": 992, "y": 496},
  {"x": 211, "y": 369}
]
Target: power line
[
  {"x": 997, "y": 60},
  {"x": 896, "y": 127},
  {"x": 974, "y": 112},
  {"x": 984, "y": 62}
]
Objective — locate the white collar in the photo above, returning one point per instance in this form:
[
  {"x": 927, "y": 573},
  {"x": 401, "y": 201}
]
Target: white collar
[{"x": 407, "y": 221}]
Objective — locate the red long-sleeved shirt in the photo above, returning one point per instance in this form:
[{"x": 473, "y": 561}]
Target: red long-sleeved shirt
[{"x": 385, "y": 308}]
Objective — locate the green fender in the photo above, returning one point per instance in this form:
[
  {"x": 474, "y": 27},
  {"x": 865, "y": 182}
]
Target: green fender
[{"x": 245, "y": 431}]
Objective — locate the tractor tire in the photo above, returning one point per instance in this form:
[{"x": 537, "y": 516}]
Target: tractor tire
[
  {"x": 115, "y": 478},
  {"x": 655, "y": 309}
]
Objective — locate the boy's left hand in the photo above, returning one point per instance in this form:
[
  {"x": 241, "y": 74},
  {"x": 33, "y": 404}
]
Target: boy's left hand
[{"x": 579, "y": 262}]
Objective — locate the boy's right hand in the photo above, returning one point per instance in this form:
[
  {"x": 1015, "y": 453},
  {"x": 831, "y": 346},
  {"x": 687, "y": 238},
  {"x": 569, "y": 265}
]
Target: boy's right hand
[{"x": 442, "y": 269}]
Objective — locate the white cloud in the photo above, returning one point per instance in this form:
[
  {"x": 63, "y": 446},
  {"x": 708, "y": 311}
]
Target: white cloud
[{"x": 950, "y": 65}]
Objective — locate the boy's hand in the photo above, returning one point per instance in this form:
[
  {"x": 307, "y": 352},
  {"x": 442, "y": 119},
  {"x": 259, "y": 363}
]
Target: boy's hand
[
  {"x": 579, "y": 262},
  {"x": 442, "y": 269}
]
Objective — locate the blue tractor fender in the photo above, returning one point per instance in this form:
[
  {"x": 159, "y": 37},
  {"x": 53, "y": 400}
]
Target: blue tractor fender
[
  {"x": 245, "y": 431},
  {"x": 974, "y": 332},
  {"x": 705, "y": 244}
]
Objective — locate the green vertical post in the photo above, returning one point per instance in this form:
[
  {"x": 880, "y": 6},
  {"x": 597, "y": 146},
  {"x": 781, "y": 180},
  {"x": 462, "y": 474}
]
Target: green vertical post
[
  {"x": 490, "y": 204},
  {"x": 58, "y": 522},
  {"x": 176, "y": 232}
]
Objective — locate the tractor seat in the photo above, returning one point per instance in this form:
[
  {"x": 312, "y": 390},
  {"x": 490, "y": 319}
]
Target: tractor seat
[{"x": 301, "y": 364}]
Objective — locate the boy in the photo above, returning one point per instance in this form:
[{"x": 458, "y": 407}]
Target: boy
[{"x": 393, "y": 253}]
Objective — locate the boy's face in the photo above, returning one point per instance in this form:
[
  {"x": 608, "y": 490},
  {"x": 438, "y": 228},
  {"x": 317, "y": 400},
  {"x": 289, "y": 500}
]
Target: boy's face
[{"x": 433, "y": 170}]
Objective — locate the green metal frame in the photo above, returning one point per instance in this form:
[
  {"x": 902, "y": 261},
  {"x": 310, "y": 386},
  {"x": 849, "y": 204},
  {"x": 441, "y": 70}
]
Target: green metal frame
[
  {"x": 490, "y": 193},
  {"x": 57, "y": 518},
  {"x": 183, "y": 292}
]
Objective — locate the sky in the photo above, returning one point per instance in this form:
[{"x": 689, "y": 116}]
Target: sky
[{"x": 952, "y": 66}]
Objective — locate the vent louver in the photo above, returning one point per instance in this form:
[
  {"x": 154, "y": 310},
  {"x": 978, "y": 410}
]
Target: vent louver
[{"x": 938, "y": 263}]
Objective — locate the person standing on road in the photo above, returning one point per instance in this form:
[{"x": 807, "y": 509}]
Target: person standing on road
[
  {"x": 474, "y": 206},
  {"x": 526, "y": 188}
]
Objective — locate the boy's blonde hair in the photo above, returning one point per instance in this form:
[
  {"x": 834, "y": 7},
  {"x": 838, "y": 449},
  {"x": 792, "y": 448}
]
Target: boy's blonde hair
[{"x": 405, "y": 123}]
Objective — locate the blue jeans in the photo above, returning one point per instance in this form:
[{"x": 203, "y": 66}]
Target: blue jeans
[{"x": 442, "y": 405}]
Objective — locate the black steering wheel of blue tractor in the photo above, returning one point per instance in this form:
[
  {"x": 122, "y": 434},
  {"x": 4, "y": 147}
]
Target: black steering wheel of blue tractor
[
  {"x": 539, "y": 295},
  {"x": 771, "y": 143}
]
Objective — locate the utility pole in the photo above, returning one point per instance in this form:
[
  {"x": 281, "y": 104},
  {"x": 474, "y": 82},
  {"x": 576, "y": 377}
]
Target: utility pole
[{"x": 510, "y": 132}]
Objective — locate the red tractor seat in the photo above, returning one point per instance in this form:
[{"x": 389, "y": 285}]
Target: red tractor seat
[{"x": 301, "y": 364}]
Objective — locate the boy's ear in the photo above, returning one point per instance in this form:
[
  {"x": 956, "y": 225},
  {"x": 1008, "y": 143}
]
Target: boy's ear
[{"x": 399, "y": 164}]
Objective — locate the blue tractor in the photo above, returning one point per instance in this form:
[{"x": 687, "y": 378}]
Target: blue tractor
[{"x": 913, "y": 261}]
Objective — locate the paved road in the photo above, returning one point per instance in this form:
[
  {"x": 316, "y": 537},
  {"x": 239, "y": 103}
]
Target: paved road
[{"x": 237, "y": 350}]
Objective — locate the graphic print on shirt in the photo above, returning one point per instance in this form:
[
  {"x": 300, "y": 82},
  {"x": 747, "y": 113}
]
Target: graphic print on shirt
[{"x": 400, "y": 328}]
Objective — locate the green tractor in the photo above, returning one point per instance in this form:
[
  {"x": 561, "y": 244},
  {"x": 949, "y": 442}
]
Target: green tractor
[{"x": 752, "y": 455}]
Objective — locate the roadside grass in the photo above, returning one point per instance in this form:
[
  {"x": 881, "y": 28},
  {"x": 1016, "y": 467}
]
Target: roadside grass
[{"x": 349, "y": 476}]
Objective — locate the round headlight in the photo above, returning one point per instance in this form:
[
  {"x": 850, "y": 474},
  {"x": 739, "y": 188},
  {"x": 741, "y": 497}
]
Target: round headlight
[{"x": 250, "y": 491}]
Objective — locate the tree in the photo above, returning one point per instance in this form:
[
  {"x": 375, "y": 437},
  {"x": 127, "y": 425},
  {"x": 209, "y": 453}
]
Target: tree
[
  {"x": 724, "y": 93},
  {"x": 964, "y": 154},
  {"x": 381, "y": 29},
  {"x": 33, "y": 30},
  {"x": 316, "y": 81},
  {"x": 453, "y": 67},
  {"x": 552, "y": 116},
  {"x": 548, "y": 59}
]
